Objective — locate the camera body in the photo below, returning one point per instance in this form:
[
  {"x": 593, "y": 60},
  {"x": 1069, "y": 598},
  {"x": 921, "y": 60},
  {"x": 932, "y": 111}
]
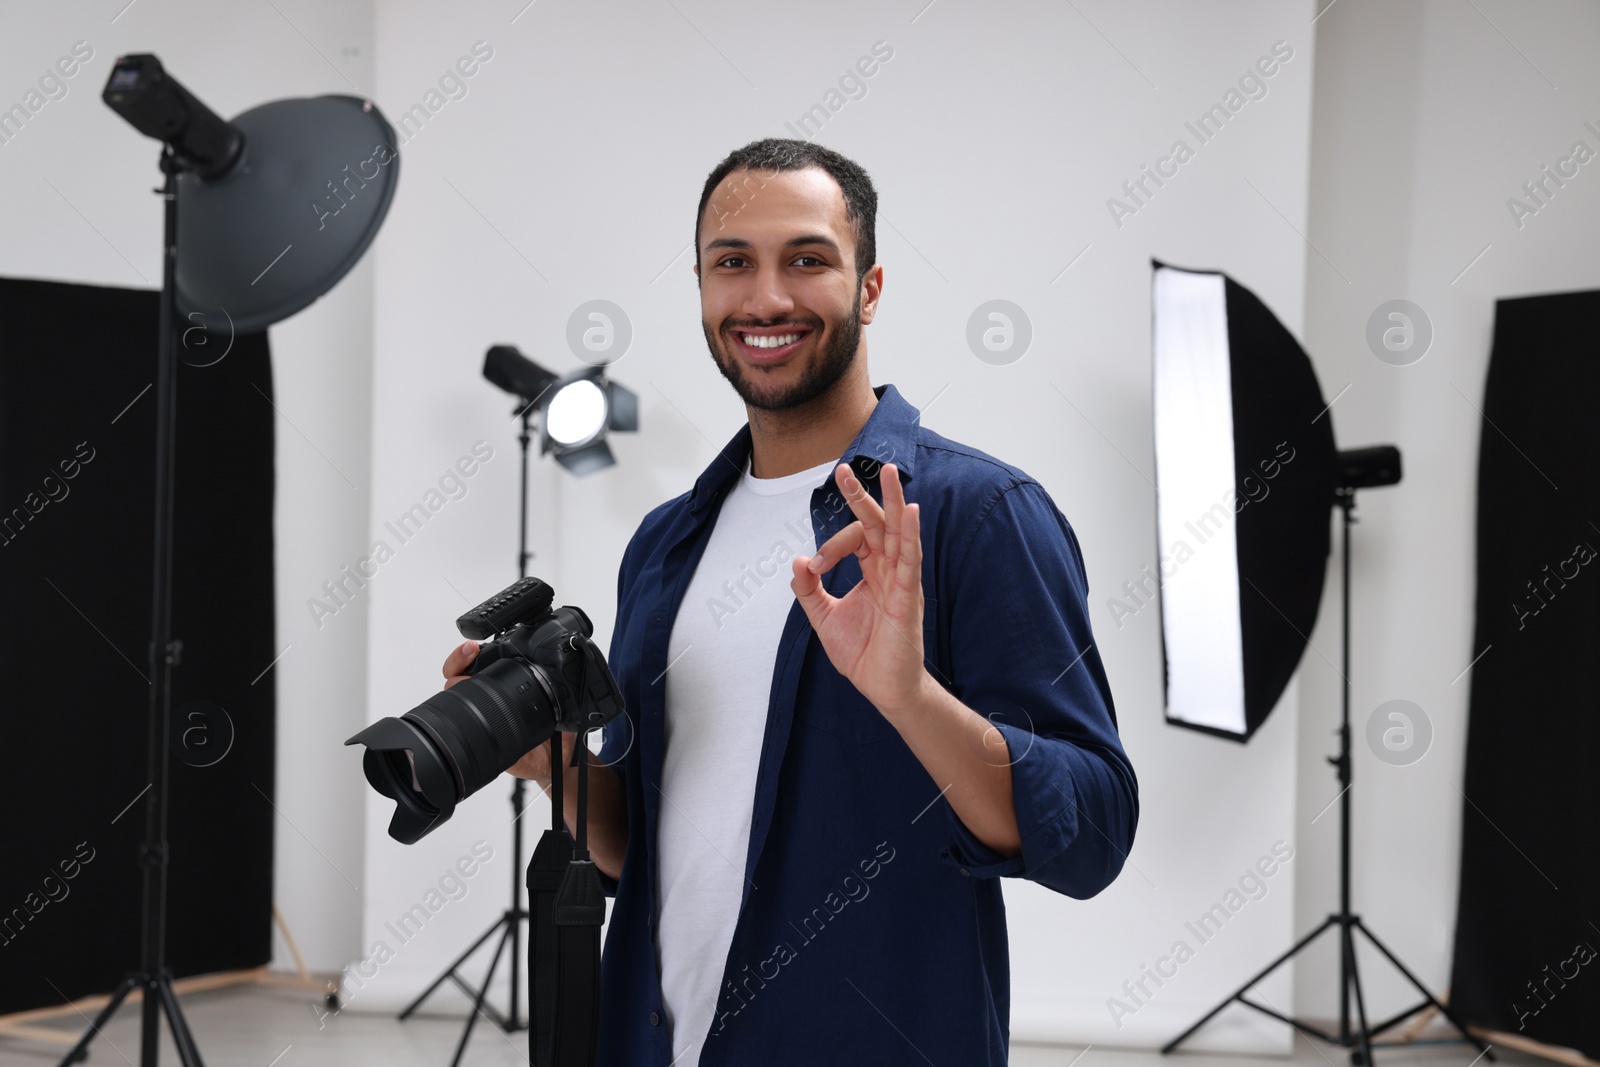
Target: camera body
[
  {"x": 537, "y": 673},
  {"x": 555, "y": 642}
]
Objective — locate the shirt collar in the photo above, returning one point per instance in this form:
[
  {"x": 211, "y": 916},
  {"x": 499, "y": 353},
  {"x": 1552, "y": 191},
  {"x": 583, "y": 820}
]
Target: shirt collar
[{"x": 889, "y": 436}]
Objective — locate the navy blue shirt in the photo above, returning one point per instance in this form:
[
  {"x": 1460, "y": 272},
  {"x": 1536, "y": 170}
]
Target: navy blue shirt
[{"x": 872, "y": 928}]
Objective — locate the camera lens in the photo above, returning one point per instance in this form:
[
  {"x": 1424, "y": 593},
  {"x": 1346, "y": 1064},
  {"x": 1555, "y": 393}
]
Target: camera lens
[
  {"x": 485, "y": 723},
  {"x": 456, "y": 742}
]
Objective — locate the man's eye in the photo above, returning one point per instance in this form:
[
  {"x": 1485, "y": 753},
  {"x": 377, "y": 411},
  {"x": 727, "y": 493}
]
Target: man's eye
[{"x": 738, "y": 261}]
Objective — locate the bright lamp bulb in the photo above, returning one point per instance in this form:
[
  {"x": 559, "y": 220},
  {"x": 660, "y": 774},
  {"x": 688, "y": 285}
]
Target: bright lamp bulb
[{"x": 576, "y": 413}]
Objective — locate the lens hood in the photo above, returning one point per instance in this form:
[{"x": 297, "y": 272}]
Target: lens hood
[{"x": 387, "y": 769}]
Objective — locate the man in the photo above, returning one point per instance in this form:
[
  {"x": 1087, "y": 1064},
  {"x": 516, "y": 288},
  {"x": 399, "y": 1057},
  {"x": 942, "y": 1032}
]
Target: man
[{"x": 804, "y": 814}]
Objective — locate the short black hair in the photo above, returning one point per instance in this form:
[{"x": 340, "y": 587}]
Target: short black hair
[{"x": 775, "y": 154}]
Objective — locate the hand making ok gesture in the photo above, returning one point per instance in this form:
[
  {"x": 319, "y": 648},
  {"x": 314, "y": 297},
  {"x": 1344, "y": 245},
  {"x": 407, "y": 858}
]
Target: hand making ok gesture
[{"x": 872, "y": 634}]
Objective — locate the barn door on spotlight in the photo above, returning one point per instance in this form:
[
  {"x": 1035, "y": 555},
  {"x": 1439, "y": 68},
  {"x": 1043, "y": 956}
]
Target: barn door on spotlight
[{"x": 1245, "y": 474}]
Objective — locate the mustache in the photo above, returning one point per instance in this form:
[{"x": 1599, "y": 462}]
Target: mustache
[{"x": 732, "y": 326}]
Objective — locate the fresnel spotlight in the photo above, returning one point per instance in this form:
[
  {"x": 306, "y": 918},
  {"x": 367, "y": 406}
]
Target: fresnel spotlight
[{"x": 576, "y": 410}]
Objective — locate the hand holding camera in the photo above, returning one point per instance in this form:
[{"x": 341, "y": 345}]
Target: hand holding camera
[{"x": 539, "y": 675}]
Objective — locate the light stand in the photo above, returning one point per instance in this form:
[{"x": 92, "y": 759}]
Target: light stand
[
  {"x": 563, "y": 886},
  {"x": 153, "y": 978},
  {"x": 509, "y": 925},
  {"x": 233, "y": 220},
  {"x": 1358, "y": 1038}
]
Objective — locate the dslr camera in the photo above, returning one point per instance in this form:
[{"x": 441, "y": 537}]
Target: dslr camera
[{"x": 537, "y": 672}]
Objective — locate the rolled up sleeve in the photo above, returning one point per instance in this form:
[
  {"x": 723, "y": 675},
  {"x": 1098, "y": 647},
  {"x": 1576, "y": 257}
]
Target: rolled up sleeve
[{"x": 1023, "y": 656}]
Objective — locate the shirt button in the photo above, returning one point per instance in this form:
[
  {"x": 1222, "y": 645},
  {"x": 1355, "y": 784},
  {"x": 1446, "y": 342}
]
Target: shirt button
[
  {"x": 655, "y": 1018},
  {"x": 966, "y": 872}
]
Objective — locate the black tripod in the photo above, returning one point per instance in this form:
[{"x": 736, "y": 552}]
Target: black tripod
[
  {"x": 1358, "y": 1038},
  {"x": 509, "y": 925},
  {"x": 153, "y": 978}
]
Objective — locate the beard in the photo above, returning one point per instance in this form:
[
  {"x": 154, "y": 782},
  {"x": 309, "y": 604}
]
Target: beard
[{"x": 840, "y": 341}]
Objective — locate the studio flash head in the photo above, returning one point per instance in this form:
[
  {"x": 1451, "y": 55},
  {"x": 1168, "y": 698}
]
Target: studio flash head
[{"x": 157, "y": 105}]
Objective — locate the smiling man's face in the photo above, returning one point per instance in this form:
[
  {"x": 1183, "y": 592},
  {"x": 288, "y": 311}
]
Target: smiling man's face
[{"x": 780, "y": 302}]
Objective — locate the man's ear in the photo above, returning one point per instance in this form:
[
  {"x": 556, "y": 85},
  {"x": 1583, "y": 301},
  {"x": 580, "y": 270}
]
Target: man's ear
[
  {"x": 697, "y": 275},
  {"x": 872, "y": 286}
]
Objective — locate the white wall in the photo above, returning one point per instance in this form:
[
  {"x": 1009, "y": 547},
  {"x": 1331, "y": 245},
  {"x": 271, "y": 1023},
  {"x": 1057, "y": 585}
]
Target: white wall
[
  {"x": 101, "y": 225},
  {"x": 570, "y": 171},
  {"x": 1428, "y": 117}
]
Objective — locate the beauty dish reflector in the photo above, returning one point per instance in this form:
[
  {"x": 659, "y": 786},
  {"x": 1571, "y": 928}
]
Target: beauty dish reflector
[{"x": 296, "y": 211}]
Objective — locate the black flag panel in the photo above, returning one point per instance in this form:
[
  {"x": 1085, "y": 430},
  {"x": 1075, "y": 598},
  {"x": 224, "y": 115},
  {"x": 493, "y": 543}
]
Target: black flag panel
[
  {"x": 1526, "y": 935},
  {"x": 77, "y": 464}
]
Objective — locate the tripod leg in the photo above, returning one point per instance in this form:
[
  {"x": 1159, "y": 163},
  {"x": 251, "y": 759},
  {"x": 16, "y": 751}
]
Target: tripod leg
[
  {"x": 1364, "y": 1039},
  {"x": 188, "y": 1052},
  {"x": 1444, "y": 1010},
  {"x": 483, "y": 991},
  {"x": 150, "y": 1032},
  {"x": 1268, "y": 969},
  {"x": 448, "y": 971},
  {"x": 1346, "y": 1038},
  {"x": 80, "y": 1051}
]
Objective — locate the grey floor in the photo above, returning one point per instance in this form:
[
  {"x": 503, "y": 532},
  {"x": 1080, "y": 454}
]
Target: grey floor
[{"x": 257, "y": 1027}]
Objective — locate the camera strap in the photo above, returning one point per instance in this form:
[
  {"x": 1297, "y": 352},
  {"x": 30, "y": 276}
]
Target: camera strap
[
  {"x": 550, "y": 861},
  {"x": 566, "y": 908}
]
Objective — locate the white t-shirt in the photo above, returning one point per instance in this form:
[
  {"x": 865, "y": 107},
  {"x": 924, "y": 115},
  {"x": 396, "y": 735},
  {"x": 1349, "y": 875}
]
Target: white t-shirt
[{"x": 719, "y": 677}]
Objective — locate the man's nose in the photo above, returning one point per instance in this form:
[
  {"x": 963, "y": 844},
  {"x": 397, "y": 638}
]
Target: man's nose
[{"x": 769, "y": 297}]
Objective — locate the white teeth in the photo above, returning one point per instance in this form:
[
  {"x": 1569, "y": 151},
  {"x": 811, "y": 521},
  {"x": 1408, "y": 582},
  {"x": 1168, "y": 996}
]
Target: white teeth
[{"x": 771, "y": 342}]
